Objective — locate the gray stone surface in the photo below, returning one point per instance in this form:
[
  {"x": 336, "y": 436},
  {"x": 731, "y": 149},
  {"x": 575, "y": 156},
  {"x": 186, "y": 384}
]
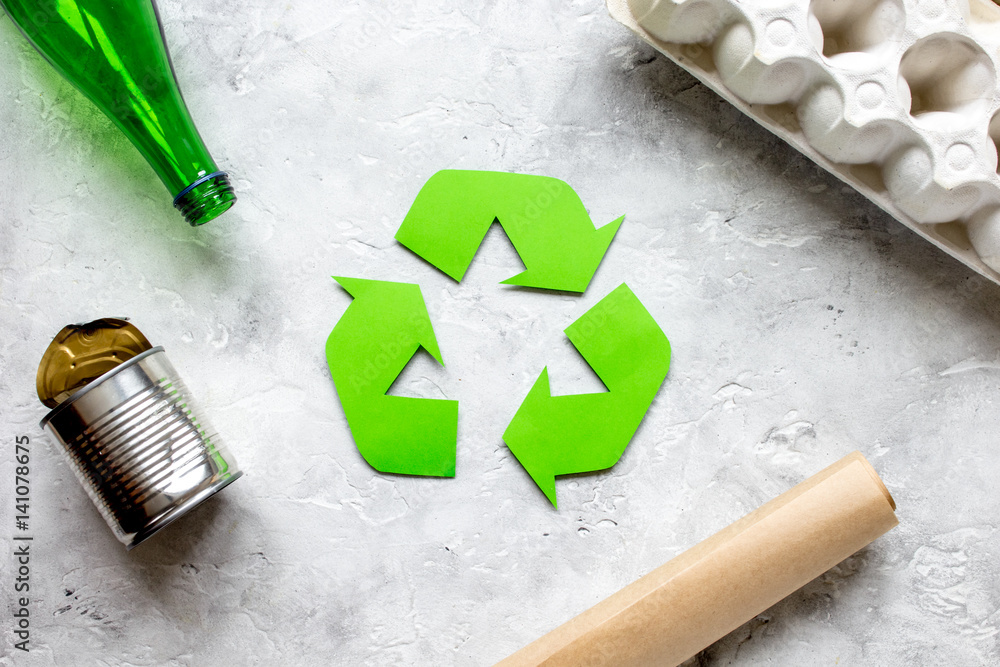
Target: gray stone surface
[{"x": 804, "y": 322}]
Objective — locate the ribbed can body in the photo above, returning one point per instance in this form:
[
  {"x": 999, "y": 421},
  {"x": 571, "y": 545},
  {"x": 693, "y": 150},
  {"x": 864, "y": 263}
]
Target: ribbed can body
[{"x": 140, "y": 447}]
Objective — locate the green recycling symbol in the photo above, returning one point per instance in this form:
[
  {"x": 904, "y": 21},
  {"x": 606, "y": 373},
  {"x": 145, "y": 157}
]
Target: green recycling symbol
[{"x": 387, "y": 322}]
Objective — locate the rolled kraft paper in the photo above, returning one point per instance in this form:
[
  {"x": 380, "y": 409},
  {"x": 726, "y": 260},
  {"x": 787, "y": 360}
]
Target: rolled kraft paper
[{"x": 710, "y": 590}]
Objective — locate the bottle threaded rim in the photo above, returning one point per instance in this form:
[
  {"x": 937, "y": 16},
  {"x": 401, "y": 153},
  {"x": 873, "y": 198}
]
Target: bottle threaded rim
[{"x": 206, "y": 199}]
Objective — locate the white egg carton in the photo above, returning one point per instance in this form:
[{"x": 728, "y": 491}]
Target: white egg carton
[{"x": 898, "y": 98}]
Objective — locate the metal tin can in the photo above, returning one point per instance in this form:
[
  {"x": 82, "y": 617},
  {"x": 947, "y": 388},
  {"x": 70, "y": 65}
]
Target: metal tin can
[{"x": 140, "y": 447}]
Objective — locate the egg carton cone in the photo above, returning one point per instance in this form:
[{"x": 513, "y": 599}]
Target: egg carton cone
[{"x": 897, "y": 98}]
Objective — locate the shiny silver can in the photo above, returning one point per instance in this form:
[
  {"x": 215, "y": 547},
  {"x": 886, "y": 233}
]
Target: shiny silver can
[{"x": 140, "y": 447}]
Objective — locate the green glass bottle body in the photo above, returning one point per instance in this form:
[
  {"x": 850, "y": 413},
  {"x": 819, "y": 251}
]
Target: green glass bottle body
[{"x": 114, "y": 52}]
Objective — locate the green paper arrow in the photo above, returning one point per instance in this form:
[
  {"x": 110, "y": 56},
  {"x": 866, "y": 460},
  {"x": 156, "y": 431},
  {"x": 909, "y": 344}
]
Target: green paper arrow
[
  {"x": 559, "y": 435},
  {"x": 544, "y": 219},
  {"x": 367, "y": 350}
]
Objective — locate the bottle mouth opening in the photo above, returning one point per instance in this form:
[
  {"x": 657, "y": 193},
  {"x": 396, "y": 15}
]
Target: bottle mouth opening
[{"x": 206, "y": 199}]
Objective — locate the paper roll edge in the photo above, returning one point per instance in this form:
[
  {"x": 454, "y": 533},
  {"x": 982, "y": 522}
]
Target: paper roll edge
[{"x": 858, "y": 456}]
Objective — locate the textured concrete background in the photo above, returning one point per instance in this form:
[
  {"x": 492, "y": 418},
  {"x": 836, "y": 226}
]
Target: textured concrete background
[{"x": 804, "y": 322}]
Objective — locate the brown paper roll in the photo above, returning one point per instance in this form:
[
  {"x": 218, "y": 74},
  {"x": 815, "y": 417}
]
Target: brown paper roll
[{"x": 710, "y": 590}]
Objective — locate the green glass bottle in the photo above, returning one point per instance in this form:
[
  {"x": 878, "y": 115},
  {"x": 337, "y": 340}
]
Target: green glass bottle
[{"x": 114, "y": 52}]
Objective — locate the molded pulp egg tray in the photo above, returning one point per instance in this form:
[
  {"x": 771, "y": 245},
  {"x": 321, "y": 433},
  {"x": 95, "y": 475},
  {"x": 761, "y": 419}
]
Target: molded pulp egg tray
[{"x": 898, "y": 98}]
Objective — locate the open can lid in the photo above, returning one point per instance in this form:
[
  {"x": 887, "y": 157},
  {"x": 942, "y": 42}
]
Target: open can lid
[{"x": 81, "y": 353}]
